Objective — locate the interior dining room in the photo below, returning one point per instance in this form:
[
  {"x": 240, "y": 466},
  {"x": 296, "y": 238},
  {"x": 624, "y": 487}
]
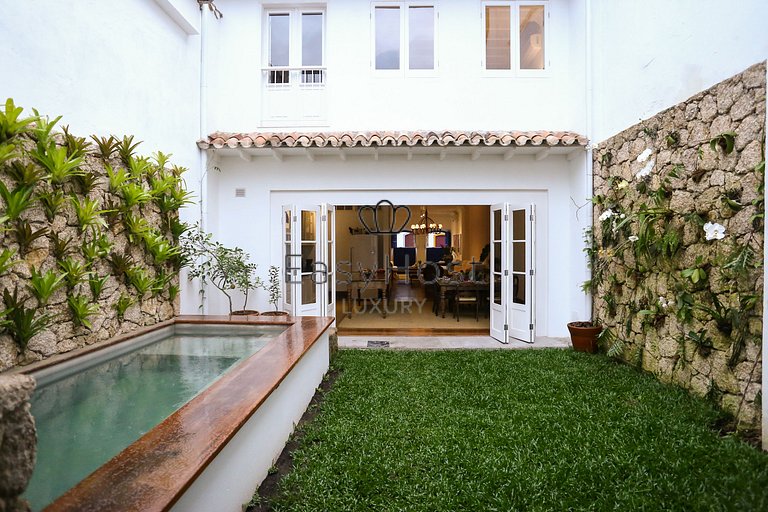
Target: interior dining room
[{"x": 421, "y": 272}]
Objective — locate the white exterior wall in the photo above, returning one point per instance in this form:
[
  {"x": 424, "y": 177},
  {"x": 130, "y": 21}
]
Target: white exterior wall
[
  {"x": 254, "y": 222},
  {"x": 125, "y": 68},
  {"x": 459, "y": 95},
  {"x": 653, "y": 54},
  {"x": 107, "y": 67}
]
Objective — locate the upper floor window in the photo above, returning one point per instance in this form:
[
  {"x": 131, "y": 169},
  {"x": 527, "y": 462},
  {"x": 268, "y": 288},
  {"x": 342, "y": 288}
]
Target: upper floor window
[
  {"x": 514, "y": 35},
  {"x": 404, "y": 36},
  {"x": 295, "y": 46}
]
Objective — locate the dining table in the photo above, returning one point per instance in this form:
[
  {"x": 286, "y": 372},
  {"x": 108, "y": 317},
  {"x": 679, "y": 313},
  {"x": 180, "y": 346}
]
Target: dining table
[{"x": 446, "y": 286}]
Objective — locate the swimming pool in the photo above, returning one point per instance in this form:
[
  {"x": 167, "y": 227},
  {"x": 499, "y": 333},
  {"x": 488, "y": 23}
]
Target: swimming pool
[{"x": 100, "y": 407}]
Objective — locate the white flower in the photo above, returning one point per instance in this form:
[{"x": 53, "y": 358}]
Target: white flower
[
  {"x": 607, "y": 214},
  {"x": 714, "y": 231},
  {"x": 642, "y": 157},
  {"x": 663, "y": 303},
  {"x": 623, "y": 184},
  {"x": 645, "y": 171},
  {"x": 633, "y": 238},
  {"x": 622, "y": 216}
]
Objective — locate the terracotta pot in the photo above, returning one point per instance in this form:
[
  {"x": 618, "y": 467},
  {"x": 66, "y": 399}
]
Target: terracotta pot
[
  {"x": 584, "y": 336},
  {"x": 245, "y": 312},
  {"x": 274, "y": 313}
]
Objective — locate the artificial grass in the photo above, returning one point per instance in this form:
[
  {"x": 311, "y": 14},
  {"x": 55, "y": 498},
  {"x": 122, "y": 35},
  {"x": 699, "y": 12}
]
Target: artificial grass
[{"x": 514, "y": 430}]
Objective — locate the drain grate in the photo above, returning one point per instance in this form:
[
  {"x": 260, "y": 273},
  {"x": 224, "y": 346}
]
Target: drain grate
[{"x": 378, "y": 344}]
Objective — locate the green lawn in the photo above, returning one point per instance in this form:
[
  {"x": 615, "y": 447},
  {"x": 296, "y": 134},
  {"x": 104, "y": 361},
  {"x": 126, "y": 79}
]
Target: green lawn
[{"x": 514, "y": 430}]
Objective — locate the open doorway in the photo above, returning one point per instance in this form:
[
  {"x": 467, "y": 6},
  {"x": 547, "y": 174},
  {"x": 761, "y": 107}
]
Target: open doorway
[{"x": 431, "y": 277}]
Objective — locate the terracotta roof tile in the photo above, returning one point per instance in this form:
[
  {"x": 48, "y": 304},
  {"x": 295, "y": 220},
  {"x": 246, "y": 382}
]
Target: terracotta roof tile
[{"x": 220, "y": 140}]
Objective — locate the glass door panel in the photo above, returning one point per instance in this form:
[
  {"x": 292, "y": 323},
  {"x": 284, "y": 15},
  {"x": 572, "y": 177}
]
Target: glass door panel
[
  {"x": 520, "y": 315},
  {"x": 328, "y": 244},
  {"x": 499, "y": 270}
]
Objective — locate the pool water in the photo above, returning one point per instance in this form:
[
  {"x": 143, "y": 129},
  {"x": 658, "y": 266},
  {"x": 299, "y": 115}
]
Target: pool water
[{"x": 86, "y": 418}]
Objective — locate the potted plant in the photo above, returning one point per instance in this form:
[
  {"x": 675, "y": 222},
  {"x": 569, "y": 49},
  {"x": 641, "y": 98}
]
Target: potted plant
[
  {"x": 225, "y": 268},
  {"x": 274, "y": 291},
  {"x": 584, "y": 336}
]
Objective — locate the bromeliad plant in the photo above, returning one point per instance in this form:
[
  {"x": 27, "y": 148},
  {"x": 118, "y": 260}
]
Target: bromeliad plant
[
  {"x": 43, "y": 285},
  {"x": 225, "y": 268},
  {"x": 21, "y": 322},
  {"x": 82, "y": 309}
]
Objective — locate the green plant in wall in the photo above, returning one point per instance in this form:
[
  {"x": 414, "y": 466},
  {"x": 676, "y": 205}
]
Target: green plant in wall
[
  {"x": 11, "y": 122},
  {"x": 173, "y": 292},
  {"x": 60, "y": 246},
  {"x": 161, "y": 249},
  {"x": 88, "y": 212},
  {"x": 178, "y": 228},
  {"x": 122, "y": 305},
  {"x": 116, "y": 178},
  {"x": 24, "y": 175},
  {"x": 105, "y": 146},
  {"x": 82, "y": 309},
  {"x": 696, "y": 274},
  {"x": 672, "y": 139},
  {"x": 86, "y": 182},
  {"x": 726, "y": 141},
  {"x": 16, "y": 201},
  {"x": 25, "y": 235},
  {"x": 97, "y": 247},
  {"x": 702, "y": 341},
  {"x": 43, "y": 285},
  {"x": 76, "y": 146},
  {"x": 75, "y": 270},
  {"x": 7, "y": 152},
  {"x": 96, "y": 283},
  {"x": 133, "y": 194},
  {"x": 141, "y": 280},
  {"x": 60, "y": 165},
  {"x": 120, "y": 263},
  {"x": 140, "y": 168},
  {"x": 21, "y": 322},
  {"x": 126, "y": 148},
  {"x": 7, "y": 260},
  {"x": 137, "y": 227},
  {"x": 52, "y": 202}
]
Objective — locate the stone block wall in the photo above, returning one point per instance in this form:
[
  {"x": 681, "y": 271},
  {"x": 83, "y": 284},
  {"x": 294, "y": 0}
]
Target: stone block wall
[
  {"x": 677, "y": 244},
  {"x": 114, "y": 248},
  {"x": 17, "y": 441}
]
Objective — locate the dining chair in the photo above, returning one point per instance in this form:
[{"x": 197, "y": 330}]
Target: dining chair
[{"x": 465, "y": 297}]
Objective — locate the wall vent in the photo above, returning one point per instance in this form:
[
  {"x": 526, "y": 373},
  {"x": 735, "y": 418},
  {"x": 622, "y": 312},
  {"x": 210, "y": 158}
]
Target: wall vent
[{"x": 239, "y": 192}]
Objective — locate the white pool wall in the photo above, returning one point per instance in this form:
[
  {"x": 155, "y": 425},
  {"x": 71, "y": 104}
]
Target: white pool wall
[{"x": 231, "y": 479}]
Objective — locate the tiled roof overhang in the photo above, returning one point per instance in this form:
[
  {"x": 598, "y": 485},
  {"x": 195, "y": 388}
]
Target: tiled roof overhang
[{"x": 219, "y": 140}]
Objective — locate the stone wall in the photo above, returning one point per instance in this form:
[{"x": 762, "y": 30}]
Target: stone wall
[
  {"x": 677, "y": 244},
  {"x": 125, "y": 245},
  {"x": 17, "y": 441}
]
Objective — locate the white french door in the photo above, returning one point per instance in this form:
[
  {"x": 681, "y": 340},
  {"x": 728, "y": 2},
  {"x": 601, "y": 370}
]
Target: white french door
[
  {"x": 301, "y": 252},
  {"x": 499, "y": 269},
  {"x": 521, "y": 295},
  {"x": 309, "y": 253},
  {"x": 512, "y": 274},
  {"x": 328, "y": 221}
]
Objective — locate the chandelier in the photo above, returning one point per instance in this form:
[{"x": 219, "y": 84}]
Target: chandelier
[{"x": 426, "y": 224}]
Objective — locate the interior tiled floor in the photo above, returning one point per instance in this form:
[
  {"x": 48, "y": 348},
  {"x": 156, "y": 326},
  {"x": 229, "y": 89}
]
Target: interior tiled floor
[{"x": 407, "y": 308}]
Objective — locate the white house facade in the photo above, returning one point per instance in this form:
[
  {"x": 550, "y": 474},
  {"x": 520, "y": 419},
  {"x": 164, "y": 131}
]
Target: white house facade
[{"x": 449, "y": 106}]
